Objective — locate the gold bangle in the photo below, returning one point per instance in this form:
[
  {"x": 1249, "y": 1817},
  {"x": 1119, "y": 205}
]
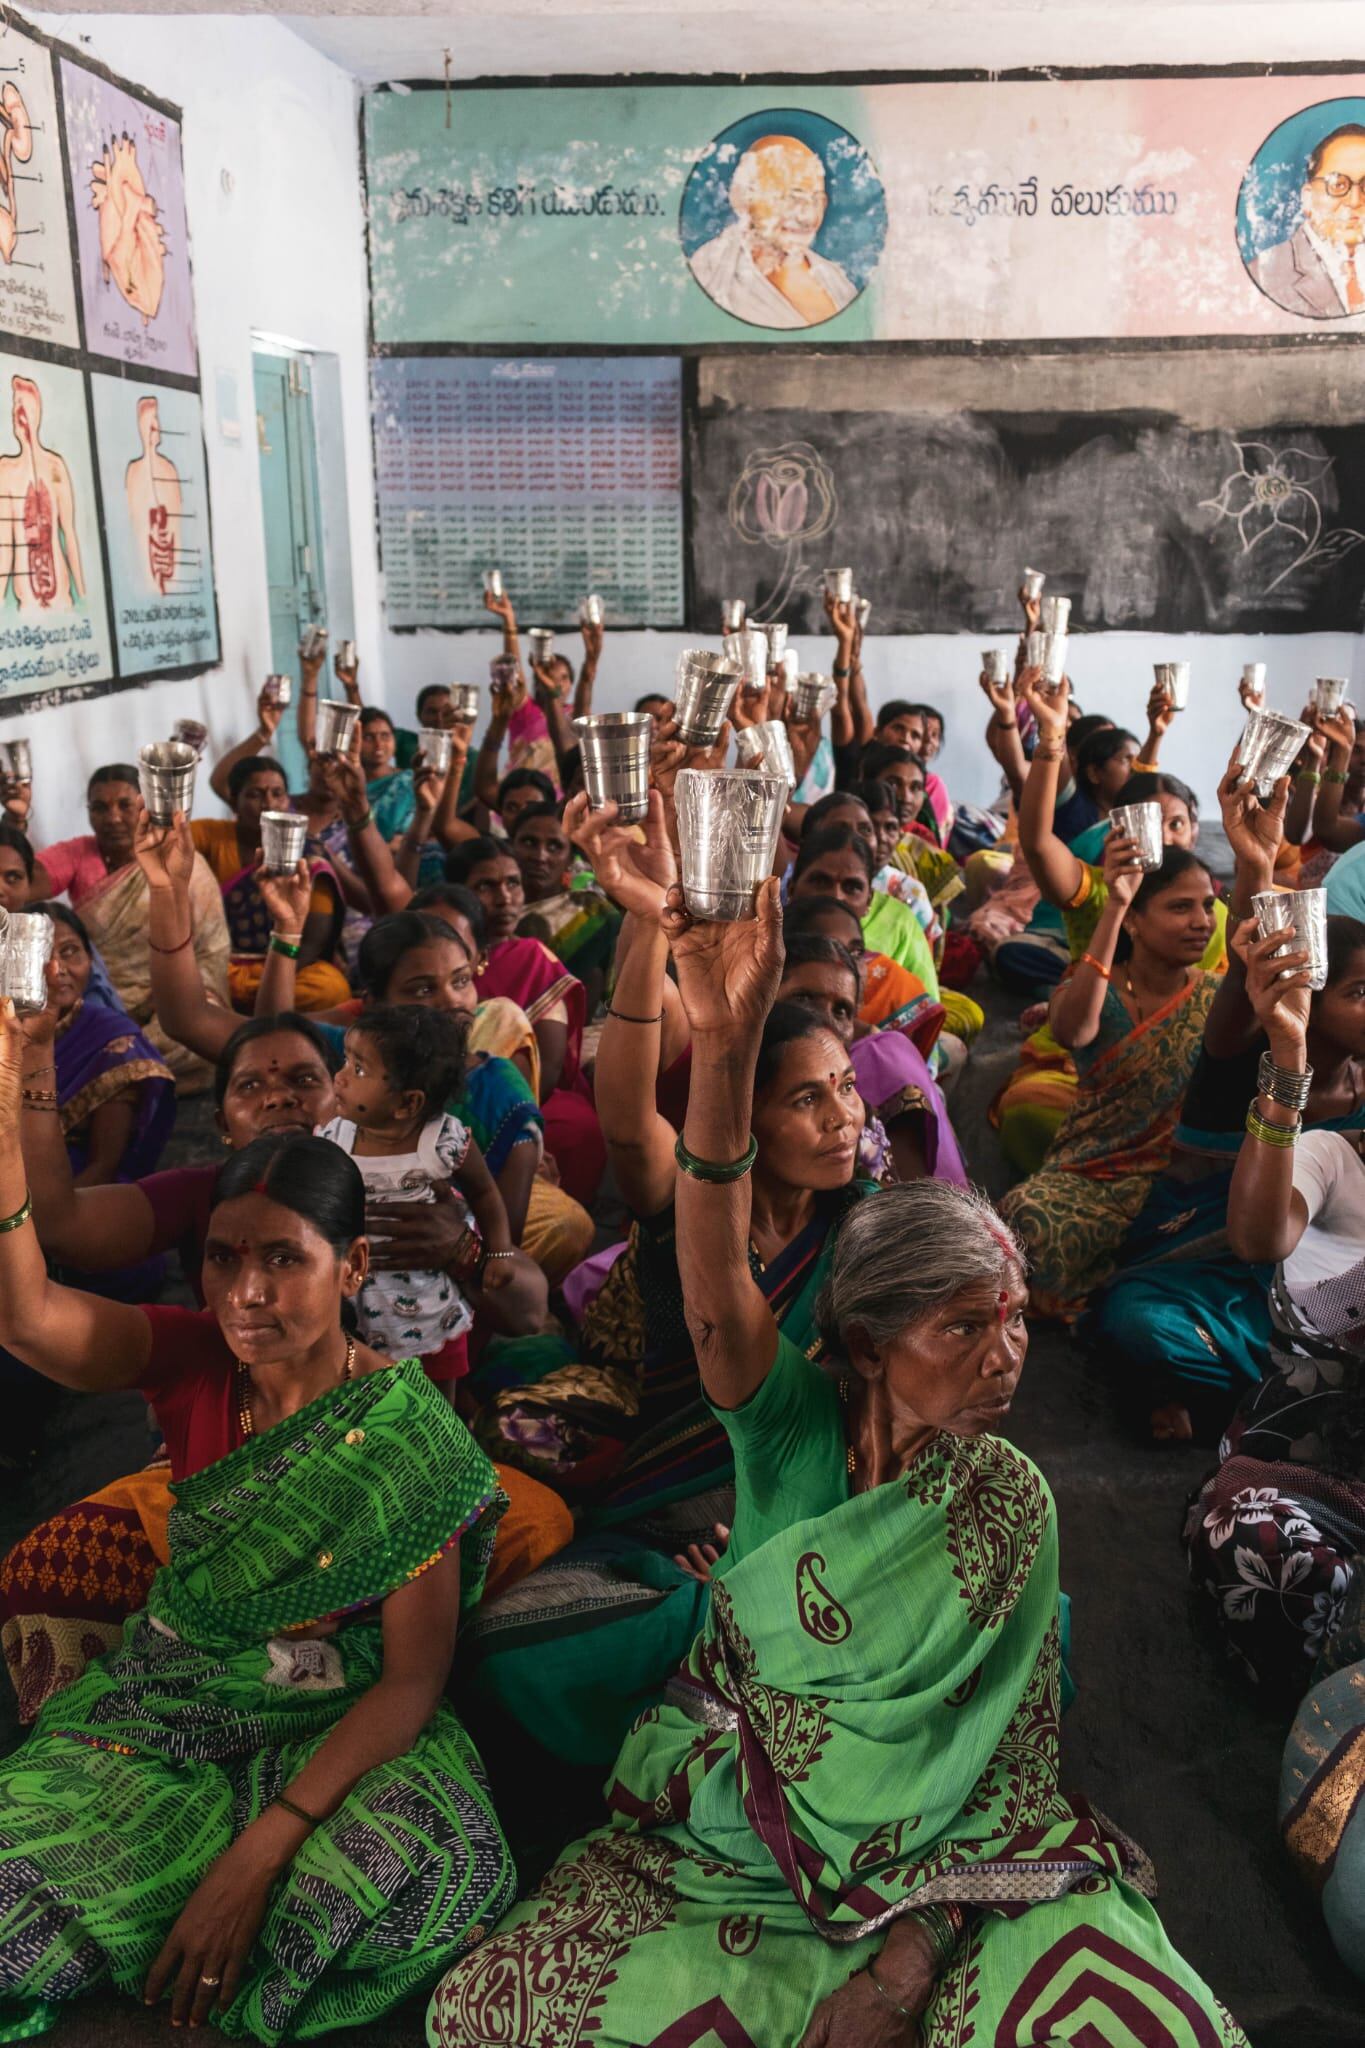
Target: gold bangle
[{"x": 20, "y": 1216}]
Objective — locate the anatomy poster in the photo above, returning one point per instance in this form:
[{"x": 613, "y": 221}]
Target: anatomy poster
[
  {"x": 128, "y": 192},
  {"x": 150, "y": 442},
  {"x": 37, "y": 280},
  {"x": 53, "y": 618}
]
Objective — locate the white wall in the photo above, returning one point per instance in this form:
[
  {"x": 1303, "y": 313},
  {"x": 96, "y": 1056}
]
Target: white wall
[
  {"x": 1111, "y": 672},
  {"x": 282, "y": 252}
]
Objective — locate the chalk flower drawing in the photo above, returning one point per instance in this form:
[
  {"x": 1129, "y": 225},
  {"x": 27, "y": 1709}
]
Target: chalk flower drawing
[
  {"x": 1277, "y": 491},
  {"x": 783, "y": 498}
]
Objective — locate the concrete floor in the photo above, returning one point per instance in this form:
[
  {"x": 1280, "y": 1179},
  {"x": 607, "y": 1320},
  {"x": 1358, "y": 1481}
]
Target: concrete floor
[{"x": 1164, "y": 1737}]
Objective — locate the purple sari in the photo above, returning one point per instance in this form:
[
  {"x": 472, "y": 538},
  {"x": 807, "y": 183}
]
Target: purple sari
[
  {"x": 894, "y": 1081},
  {"x": 102, "y": 1054}
]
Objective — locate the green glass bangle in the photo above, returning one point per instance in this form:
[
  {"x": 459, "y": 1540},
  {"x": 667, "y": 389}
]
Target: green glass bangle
[
  {"x": 20, "y": 1216},
  {"x": 707, "y": 1170},
  {"x": 1309, "y": 776},
  {"x": 1281, "y": 1135},
  {"x": 279, "y": 945},
  {"x": 1334, "y": 775}
]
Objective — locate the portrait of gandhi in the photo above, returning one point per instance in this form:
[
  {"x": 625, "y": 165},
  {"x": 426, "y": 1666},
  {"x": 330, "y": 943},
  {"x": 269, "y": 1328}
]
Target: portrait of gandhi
[{"x": 763, "y": 267}]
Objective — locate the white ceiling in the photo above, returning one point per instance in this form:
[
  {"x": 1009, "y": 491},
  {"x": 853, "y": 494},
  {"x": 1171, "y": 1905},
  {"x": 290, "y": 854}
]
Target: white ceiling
[
  {"x": 530, "y": 38},
  {"x": 603, "y": 37}
]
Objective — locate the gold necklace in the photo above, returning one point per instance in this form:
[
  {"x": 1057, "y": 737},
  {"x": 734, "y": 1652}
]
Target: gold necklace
[
  {"x": 244, "y": 1420},
  {"x": 852, "y": 1455}
]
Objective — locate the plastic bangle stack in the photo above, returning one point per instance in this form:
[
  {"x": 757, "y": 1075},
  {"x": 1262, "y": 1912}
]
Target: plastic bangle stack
[
  {"x": 1282, "y": 1136},
  {"x": 1283, "y": 1084}
]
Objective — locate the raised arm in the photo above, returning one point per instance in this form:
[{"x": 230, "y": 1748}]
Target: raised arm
[
  {"x": 96, "y": 1229},
  {"x": 1266, "y": 1217},
  {"x": 309, "y": 672},
  {"x": 1332, "y": 829},
  {"x": 1002, "y": 733},
  {"x": 268, "y": 716},
  {"x": 1160, "y": 712},
  {"x": 79, "y": 1340},
  {"x": 1254, "y": 831},
  {"x": 165, "y": 853},
  {"x": 1052, "y": 864},
  {"x": 637, "y": 879},
  {"x": 1074, "y": 1012},
  {"x": 728, "y": 975},
  {"x": 593, "y": 637},
  {"x": 505, "y": 699},
  {"x": 843, "y": 619}
]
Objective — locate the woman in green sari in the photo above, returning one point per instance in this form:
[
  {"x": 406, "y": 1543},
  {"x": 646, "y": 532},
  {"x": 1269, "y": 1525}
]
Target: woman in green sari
[
  {"x": 259, "y": 1803},
  {"x": 842, "y": 1828}
]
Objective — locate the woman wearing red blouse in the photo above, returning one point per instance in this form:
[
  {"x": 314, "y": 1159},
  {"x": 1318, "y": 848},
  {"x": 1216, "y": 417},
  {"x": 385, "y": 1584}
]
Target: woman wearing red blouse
[{"x": 238, "y": 1805}]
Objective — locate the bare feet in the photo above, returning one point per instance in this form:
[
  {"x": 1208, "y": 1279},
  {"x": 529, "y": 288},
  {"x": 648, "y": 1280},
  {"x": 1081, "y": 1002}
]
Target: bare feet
[{"x": 1172, "y": 1425}]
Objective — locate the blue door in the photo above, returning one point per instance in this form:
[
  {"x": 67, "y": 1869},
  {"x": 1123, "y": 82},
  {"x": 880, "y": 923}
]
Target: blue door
[{"x": 290, "y": 504}]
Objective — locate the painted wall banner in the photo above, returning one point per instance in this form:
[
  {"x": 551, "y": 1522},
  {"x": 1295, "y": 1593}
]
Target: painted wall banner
[
  {"x": 128, "y": 188},
  {"x": 53, "y": 621},
  {"x": 150, "y": 441},
  {"x": 37, "y": 284},
  {"x": 975, "y": 210},
  {"x": 565, "y": 474}
]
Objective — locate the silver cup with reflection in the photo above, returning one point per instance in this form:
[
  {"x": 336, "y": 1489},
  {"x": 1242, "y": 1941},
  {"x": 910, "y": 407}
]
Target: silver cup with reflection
[
  {"x": 1142, "y": 823},
  {"x": 703, "y": 690},
  {"x": 165, "y": 771},
  {"x": 27, "y": 948},
  {"x": 1306, "y": 910},
  {"x": 729, "y": 823},
  {"x": 336, "y": 724},
  {"x": 282, "y": 837},
  {"x": 1269, "y": 746},
  {"x": 614, "y": 746},
  {"x": 767, "y": 745}
]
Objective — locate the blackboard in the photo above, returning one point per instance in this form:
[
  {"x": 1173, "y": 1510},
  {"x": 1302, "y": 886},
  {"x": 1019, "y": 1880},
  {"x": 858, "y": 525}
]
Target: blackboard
[{"x": 1146, "y": 519}]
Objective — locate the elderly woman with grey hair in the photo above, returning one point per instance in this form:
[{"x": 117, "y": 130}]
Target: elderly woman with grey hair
[{"x": 842, "y": 1828}]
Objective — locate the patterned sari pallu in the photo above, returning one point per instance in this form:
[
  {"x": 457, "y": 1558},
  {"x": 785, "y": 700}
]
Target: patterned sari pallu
[
  {"x": 144, "y": 1770},
  {"x": 867, "y": 1726}
]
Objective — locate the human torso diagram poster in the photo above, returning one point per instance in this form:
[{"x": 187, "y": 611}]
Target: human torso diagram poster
[
  {"x": 150, "y": 442},
  {"x": 53, "y": 615},
  {"x": 37, "y": 279},
  {"x": 128, "y": 191}
]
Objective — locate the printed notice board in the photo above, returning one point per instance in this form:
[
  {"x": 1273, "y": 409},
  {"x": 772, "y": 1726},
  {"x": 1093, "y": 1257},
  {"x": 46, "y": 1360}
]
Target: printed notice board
[{"x": 565, "y": 473}]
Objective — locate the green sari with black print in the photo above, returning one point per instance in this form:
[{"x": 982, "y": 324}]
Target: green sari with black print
[
  {"x": 142, "y": 1772},
  {"x": 867, "y": 1726}
]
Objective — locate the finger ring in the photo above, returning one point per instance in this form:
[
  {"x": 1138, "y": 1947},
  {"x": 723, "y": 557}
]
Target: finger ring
[{"x": 210, "y": 1981}]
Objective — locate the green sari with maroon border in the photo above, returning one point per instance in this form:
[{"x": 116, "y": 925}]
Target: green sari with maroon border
[{"x": 867, "y": 1726}]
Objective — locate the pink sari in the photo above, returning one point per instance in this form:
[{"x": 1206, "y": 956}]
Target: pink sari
[{"x": 530, "y": 975}]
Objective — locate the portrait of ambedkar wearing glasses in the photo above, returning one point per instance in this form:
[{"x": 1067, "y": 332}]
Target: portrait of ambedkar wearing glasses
[
  {"x": 1320, "y": 270},
  {"x": 763, "y": 267}
]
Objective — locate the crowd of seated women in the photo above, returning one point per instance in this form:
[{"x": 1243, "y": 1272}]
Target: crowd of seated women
[{"x": 587, "y": 1325}]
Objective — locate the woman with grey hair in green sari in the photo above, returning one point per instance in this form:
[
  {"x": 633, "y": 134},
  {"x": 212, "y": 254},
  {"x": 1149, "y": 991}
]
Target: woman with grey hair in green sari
[{"x": 843, "y": 1827}]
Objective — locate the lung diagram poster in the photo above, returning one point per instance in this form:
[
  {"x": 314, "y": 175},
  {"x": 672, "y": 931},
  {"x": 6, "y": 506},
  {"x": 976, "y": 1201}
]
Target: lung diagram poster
[
  {"x": 128, "y": 188},
  {"x": 150, "y": 442},
  {"x": 53, "y": 631}
]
